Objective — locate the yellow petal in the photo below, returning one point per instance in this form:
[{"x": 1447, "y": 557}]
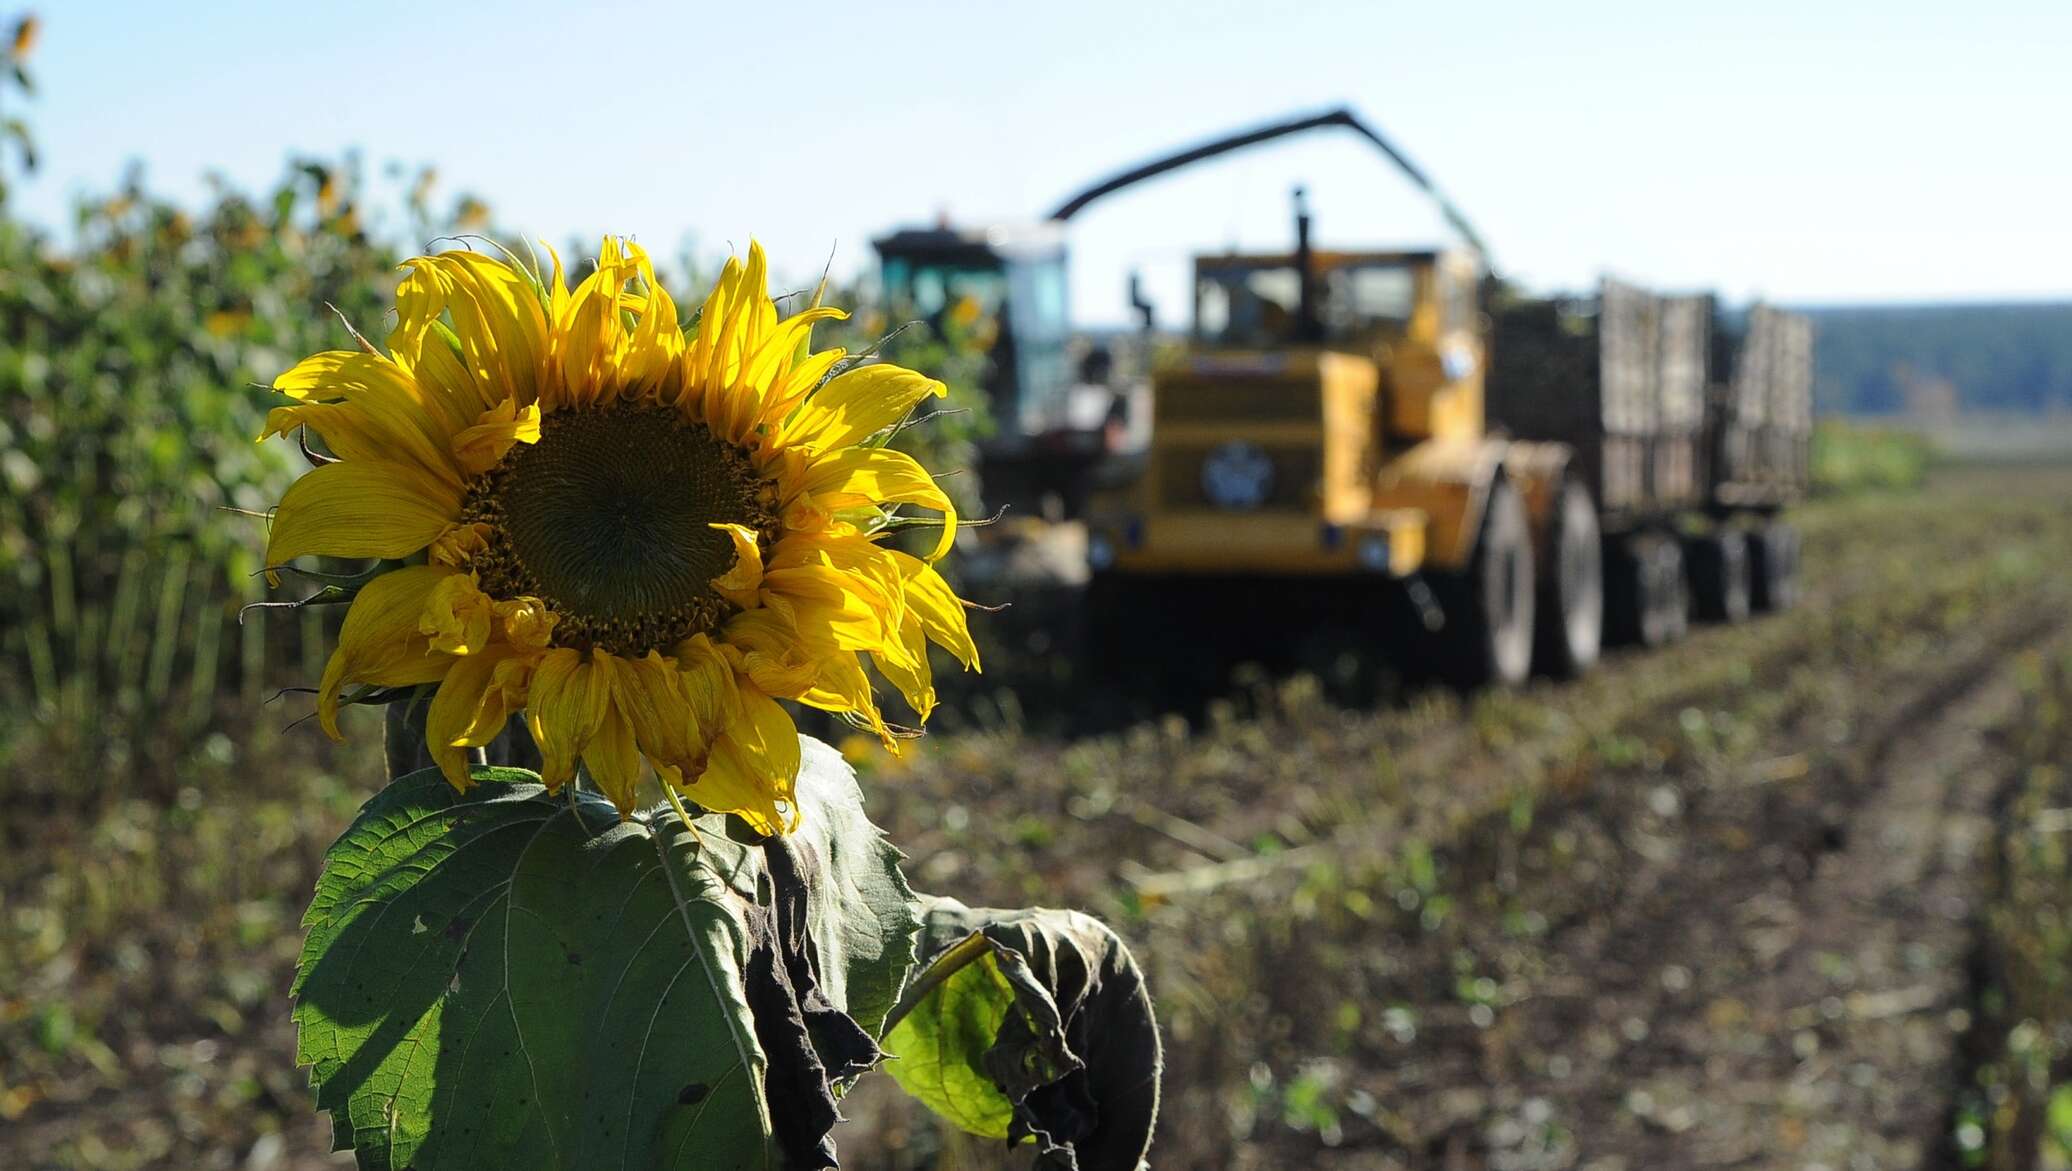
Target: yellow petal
[
  {"x": 379, "y": 642},
  {"x": 614, "y": 761},
  {"x": 459, "y": 544},
  {"x": 772, "y": 654},
  {"x": 587, "y": 336},
  {"x": 908, "y": 670},
  {"x": 566, "y": 705},
  {"x": 497, "y": 318},
  {"x": 879, "y": 577},
  {"x": 940, "y": 610},
  {"x": 456, "y": 616},
  {"x": 754, "y": 768},
  {"x": 653, "y": 696},
  {"x": 772, "y": 358},
  {"x": 826, "y": 604},
  {"x": 740, "y": 583},
  {"x": 857, "y": 405},
  {"x": 798, "y": 383},
  {"x": 481, "y": 447},
  {"x": 527, "y": 622},
  {"x": 422, "y": 344},
  {"x": 368, "y": 408},
  {"x": 841, "y": 686},
  {"x": 650, "y": 363},
  {"x": 704, "y": 348},
  {"x": 852, "y": 476},
  {"x": 471, "y": 707},
  {"x": 361, "y": 509}
]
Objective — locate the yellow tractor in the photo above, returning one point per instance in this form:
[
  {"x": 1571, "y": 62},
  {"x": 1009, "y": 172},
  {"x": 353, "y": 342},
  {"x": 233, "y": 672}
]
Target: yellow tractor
[
  {"x": 1319, "y": 461},
  {"x": 1355, "y": 446}
]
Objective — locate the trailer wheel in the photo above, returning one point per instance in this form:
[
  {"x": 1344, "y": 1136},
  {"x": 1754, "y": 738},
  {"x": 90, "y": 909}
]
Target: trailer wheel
[
  {"x": 1773, "y": 564},
  {"x": 1647, "y": 602},
  {"x": 1570, "y": 628},
  {"x": 1672, "y": 591},
  {"x": 1487, "y": 634},
  {"x": 1719, "y": 575}
]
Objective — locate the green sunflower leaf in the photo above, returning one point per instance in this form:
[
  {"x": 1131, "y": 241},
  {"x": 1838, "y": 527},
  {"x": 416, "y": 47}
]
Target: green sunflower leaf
[
  {"x": 509, "y": 979},
  {"x": 1031, "y": 1025},
  {"x": 862, "y": 916}
]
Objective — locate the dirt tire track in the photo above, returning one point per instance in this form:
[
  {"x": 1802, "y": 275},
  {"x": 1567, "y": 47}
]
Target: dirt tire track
[{"x": 1822, "y": 1039}]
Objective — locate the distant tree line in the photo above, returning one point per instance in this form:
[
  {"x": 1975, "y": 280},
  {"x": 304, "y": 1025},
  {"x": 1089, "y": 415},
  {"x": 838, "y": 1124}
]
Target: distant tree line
[{"x": 2007, "y": 357}]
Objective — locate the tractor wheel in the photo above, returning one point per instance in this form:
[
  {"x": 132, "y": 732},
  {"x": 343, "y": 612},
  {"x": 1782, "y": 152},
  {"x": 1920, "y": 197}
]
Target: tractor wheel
[
  {"x": 1719, "y": 575},
  {"x": 1111, "y": 635},
  {"x": 1646, "y": 599},
  {"x": 1773, "y": 567},
  {"x": 1570, "y": 628},
  {"x": 1487, "y": 633}
]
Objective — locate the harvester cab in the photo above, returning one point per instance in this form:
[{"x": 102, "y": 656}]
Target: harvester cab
[
  {"x": 1004, "y": 288},
  {"x": 1007, "y": 286}
]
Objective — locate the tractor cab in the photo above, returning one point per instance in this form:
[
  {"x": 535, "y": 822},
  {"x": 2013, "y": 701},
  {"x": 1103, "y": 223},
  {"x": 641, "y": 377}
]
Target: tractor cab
[
  {"x": 1325, "y": 418},
  {"x": 1414, "y": 314}
]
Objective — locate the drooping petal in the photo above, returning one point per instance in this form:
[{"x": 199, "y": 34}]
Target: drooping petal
[
  {"x": 754, "y": 768},
  {"x": 614, "y": 760},
  {"x": 654, "y": 697},
  {"x": 379, "y": 642},
  {"x": 842, "y": 686},
  {"x": 880, "y": 580},
  {"x": 471, "y": 706},
  {"x": 907, "y": 666},
  {"x": 361, "y": 509},
  {"x": 940, "y": 610},
  {"x": 565, "y": 706}
]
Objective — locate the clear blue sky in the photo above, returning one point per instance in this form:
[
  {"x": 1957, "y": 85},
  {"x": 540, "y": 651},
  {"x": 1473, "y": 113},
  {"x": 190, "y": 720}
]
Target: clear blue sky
[{"x": 1806, "y": 151}]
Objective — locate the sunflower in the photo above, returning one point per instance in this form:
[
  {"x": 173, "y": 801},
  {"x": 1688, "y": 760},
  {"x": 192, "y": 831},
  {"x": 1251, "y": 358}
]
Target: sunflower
[{"x": 642, "y": 537}]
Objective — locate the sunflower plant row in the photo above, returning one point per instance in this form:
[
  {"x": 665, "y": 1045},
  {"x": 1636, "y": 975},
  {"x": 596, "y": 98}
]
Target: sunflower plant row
[{"x": 624, "y": 543}]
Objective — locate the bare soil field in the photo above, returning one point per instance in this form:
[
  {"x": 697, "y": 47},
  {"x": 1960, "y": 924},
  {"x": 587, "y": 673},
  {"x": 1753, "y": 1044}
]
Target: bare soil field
[{"x": 1793, "y": 893}]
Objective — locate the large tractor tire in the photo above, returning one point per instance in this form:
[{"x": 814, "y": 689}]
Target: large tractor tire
[
  {"x": 1773, "y": 567},
  {"x": 1647, "y": 599},
  {"x": 1486, "y": 635},
  {"x": 1719, "y": 575},
  {"x": 1570, "y": 625}
]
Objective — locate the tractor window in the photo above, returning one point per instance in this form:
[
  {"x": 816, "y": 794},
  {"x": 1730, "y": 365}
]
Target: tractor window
[
  {"x": 928, "y": 289},
  {"x": 1368, "y": 298},
  {"x": 1246, "y": 307}
]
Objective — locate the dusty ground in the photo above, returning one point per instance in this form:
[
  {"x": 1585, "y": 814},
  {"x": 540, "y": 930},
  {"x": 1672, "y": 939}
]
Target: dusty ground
[{"x": 1781, "y": 895}]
